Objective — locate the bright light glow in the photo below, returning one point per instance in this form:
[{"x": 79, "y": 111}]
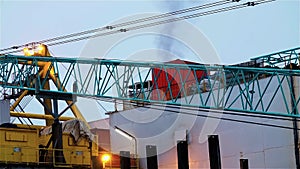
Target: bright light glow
[
  {"x": 105, "y": 158},
  {"x": 26, "y": 51},
  {"x": 40, "y": 48},
  {"x": 31, "y": 52},
  {"x": 123, "y": 134}
]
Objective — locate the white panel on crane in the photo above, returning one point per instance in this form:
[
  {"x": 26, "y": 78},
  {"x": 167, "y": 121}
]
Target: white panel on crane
[{"x": 4, "y": 111}]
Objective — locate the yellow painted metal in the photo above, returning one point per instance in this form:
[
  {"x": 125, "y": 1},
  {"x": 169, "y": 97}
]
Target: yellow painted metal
[
  {"x": 24, "y": 93},
  {"x": 42, "y": 50},
  {"x": 95, "y": 144},
  {"x": 77, "y": 113},
  {"x": 44, "y": 71},
  {"x": 74, "y": 108},
  {"x": 38, "y": 116},
  {"x": 18, "y": 145},
  {"x": 22, "y": 146},
  {"x": 25, "y": 126},
  {"x": 36, "y": 50},
  {"x": 48, "y": 103},
  {"x": 75, "y": 153},
  {"x": 15, "y": 104}
]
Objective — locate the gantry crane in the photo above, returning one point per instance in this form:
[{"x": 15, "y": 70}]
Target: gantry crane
[
  {"x": 66, "y": 151},
  {"x": 112, "y": 79},
  {"x": 219, "y": 87},
  {"x": 206, "y": 87}
]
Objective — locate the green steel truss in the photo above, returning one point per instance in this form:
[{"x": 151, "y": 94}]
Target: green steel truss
[
  {"x": 280, "y": 59},
  {"x": 249, "y": 89}
]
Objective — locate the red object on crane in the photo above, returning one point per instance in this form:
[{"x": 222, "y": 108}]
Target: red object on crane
[{"x": 170, "y": 83}]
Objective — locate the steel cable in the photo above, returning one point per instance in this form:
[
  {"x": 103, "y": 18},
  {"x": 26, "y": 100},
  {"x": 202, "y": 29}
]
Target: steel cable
[
  {"x": 127, "y": 23},
  {"x": 144, "y": 25}
]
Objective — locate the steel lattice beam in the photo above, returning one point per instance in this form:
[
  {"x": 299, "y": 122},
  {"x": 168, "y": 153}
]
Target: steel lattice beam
[
  {"x": 279, "y": 59},
  {"x": 251, "y": 89}
]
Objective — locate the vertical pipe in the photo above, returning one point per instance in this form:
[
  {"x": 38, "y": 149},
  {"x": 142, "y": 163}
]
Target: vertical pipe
[
  {"x": 151, "y": 153},
  {"x": 214, "y": 152},
  {"x": 182, "y": 155},
  {"x": 295, "y": 125}
]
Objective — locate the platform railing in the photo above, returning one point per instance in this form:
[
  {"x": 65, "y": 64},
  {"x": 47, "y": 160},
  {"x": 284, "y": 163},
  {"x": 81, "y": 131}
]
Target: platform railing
[{"x": 25, "y": 156}]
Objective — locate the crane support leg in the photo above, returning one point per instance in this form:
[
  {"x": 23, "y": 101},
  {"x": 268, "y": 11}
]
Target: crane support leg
[
  {"x": 57, "y": 142},
  {"x": 49, "y": 105},
  {"x": 74, "y": 108}
]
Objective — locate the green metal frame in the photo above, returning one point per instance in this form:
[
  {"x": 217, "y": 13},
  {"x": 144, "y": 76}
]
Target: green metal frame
[
  {"x": 249, "y": 89},
  {"x": 279, "y": 59}
]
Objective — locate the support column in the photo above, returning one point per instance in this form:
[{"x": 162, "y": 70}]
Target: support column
[
  {"x": 214, "y": 152},
  {"x": 182, "y": 155},
  {"x": 151, "y": 153},
  {"x": 244, "y": 164},
  {"x": 125, "y": 159},
  {"x": 57, "y": 142}
]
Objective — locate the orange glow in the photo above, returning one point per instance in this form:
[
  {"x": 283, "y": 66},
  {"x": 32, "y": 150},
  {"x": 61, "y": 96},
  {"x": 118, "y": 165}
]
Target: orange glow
[
  {"x": 105, "y": 158},
  {"x": 35, "y": 50},
  {"x": 28, "y": 52},
  {"x": 40, "y": 48},
  {"x": 25, "y": 51}
]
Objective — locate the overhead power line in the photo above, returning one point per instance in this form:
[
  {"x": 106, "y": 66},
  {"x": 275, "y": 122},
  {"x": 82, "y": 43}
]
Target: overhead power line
[
  {"x": 162, "y": 22},
  {"x": 119, "y": 28},
  {"x": 128, "y": 23}
]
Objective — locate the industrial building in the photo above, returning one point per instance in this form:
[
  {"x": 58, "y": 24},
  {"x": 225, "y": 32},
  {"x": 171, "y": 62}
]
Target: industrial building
[{"x": 173, "y": 114}]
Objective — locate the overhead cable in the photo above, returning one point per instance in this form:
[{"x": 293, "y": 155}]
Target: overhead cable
[
  {"x": 113, "y": 28},
  {"x": 144, "y": 19}
]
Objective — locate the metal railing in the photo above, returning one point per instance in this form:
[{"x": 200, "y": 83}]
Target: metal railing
[{"x": 24, "y": 155}]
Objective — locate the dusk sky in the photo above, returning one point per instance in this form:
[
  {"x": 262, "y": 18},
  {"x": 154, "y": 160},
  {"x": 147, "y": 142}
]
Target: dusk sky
[{"x": 235, "y": 36}]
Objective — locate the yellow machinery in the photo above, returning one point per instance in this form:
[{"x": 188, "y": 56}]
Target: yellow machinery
[{"x": 24, "y": 146}]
